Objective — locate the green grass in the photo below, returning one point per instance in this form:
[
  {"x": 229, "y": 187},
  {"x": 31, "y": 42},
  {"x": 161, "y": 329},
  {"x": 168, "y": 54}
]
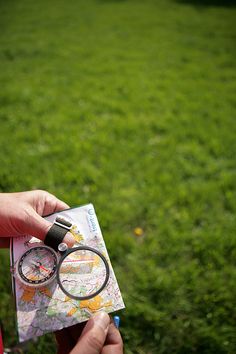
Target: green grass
[{"x": 131, "y": 105}]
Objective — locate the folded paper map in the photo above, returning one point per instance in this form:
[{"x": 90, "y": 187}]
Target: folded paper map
[{"x": 42, "y": 310}]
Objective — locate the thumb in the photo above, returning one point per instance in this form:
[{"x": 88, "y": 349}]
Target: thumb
[
  {"x": 39, "y": 227},
  {"x": 94, "y": 335}
]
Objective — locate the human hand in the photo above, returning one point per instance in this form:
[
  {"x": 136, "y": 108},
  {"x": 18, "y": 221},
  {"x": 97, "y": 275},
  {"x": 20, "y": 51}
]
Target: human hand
[
  {"x": 99, "y": 335},
  {"x": 21, "y": 214}
]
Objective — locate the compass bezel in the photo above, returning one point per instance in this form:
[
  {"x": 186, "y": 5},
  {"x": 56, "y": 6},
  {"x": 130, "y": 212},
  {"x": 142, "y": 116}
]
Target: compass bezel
[{"x": 36, "y": 283}]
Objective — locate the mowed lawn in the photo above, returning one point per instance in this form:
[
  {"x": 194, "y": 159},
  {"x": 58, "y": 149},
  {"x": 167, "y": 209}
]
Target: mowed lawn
[{"x": 130, "y": 105}]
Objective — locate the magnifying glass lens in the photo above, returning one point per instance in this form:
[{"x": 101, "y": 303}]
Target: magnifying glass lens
[{"x": 83, "y": 273}]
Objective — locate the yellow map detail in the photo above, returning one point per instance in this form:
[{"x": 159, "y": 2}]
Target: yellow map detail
[
  {"x": 28, "y": 295},
  {"x": 34, "y": 277},
  {"x": 78, "y": 237},
  {"x": 96, "y": 260},
  {"x": 67, "y": 298},
  {"x": 46, "y": 291},
  {"x": 72, "y": 311},
  {"x": 69, "y": 269},
  {"x": 95, "y": 304}
]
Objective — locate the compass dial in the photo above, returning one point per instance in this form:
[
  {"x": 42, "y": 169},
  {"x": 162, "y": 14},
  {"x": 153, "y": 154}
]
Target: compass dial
[{"x": 37, "y": 266}]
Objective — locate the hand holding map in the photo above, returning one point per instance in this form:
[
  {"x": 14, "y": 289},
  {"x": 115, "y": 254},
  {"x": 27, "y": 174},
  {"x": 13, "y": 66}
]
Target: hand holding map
[
  {"x": 21, "y": 214},
  {"x": 84, "y": 285}
]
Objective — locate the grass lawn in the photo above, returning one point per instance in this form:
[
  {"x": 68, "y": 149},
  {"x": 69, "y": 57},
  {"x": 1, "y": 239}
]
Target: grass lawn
[{"x": 130, "y": 105}]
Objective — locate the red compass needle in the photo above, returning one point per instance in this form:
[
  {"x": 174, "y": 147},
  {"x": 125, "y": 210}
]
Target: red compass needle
[
  {"x": 39, "y": 265},
  {"x": 47, "y": 270}
]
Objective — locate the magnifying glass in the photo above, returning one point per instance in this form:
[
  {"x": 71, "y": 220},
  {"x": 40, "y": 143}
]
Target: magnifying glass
[{"x": 82, "y": 272}]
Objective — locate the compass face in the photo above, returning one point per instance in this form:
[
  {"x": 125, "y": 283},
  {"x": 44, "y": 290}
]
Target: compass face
[{"x": 37, "y": 266}]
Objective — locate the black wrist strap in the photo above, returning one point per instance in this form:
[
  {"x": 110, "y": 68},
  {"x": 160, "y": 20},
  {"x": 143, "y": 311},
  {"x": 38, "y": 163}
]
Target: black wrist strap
[{"x": 57, "y": 232}]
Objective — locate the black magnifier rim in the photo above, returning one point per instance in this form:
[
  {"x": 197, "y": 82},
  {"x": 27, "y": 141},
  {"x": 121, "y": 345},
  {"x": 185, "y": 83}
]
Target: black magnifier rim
[{"x": 82, "y": 248}]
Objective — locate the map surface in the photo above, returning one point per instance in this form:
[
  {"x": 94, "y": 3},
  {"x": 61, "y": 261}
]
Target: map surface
[{"x": 42, "y": 310}]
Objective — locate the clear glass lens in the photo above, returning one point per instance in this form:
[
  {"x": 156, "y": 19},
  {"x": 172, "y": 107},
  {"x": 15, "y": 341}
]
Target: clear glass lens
[{"x": 82, "y": 273}]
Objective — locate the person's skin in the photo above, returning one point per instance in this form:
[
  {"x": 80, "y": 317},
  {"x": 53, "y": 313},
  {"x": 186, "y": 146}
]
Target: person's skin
[
  {"x": 21, "y": 214},
  {"x": 99, "y": 335}
]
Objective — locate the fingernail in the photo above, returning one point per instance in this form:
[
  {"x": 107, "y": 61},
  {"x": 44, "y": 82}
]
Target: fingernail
[
  {"x": 102, "y": 319},
  {"x": 69, "y": 239}
]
